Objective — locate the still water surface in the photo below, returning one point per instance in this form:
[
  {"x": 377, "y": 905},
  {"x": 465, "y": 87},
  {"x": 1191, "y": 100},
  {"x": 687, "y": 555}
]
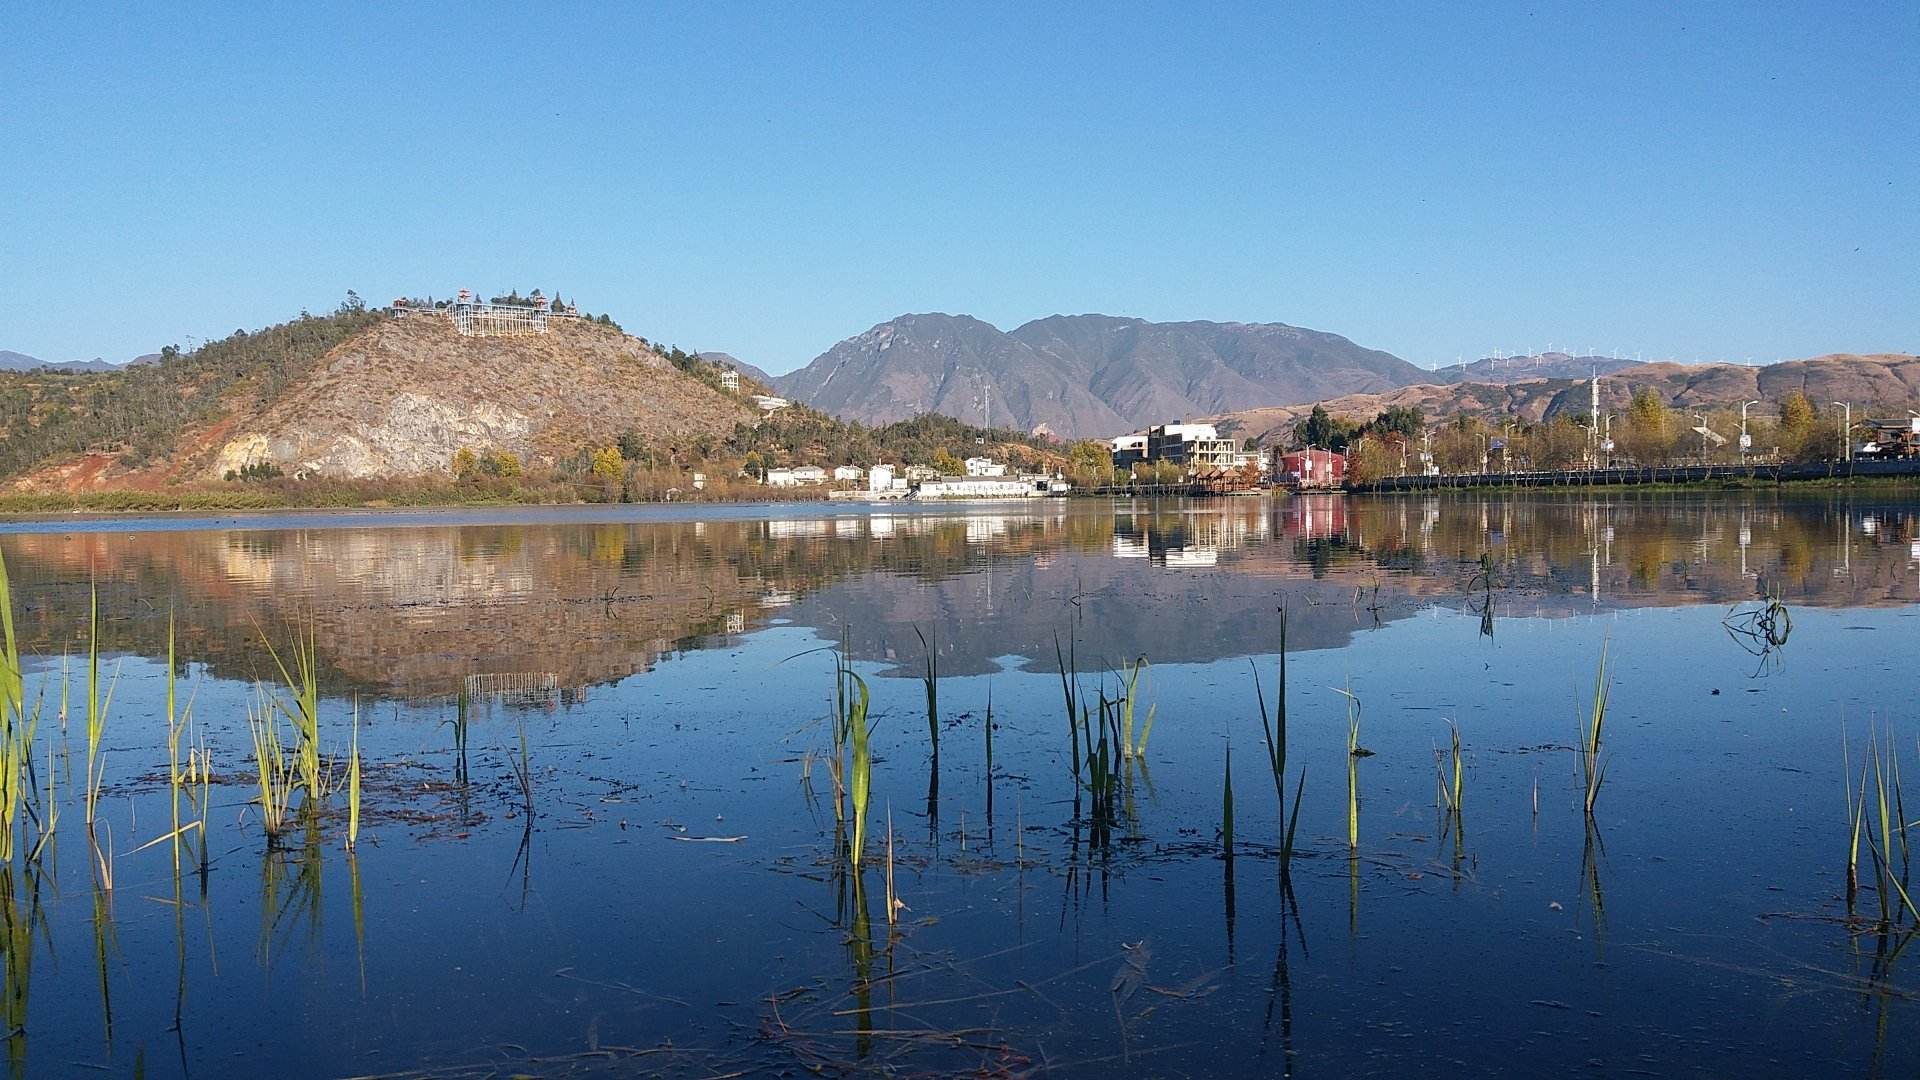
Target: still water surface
[{"x": 675, "y": 906}]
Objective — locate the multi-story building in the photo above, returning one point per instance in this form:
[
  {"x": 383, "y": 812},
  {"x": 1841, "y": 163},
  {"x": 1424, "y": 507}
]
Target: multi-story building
[{"x": 1193, "y": 447}]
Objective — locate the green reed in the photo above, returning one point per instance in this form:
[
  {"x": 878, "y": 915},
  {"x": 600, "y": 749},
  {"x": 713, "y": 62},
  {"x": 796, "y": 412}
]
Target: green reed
[
  {"x": 353, "y": 784},
  {"x": 97, "y": 705},
  {"x": 16, "y": 738},
  {"x": 931, "y": 681},
  {"x": 1274, "y": 730},
  {"x": 303, "y": 684},
  {"x": 860, "y": 773},
  {"x": 1130, "y": 685},
  {"x": 177, "y": 722},
  {"x": 1884, "y": 811},
  {"x": 1069, "y": 688},
  {"x": 1451, "y": 778},
  {"x": 274, "y": 768},
  {"x": 1593, "y": 769}
]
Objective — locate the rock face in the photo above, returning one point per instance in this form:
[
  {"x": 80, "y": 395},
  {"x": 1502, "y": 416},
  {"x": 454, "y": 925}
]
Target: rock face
[
  {"x": 404, "y": 397},
  {"x": 1084, "y": 375}
]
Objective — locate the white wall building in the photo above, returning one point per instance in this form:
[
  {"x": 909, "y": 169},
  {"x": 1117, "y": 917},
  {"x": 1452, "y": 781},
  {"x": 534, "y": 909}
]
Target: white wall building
[
  {"x": 981, "y": 466},
  {"x": 976, "y": 487},
  {"x": 809, "y": 474},
  {"x": 880, "y": 478},
  {"x": 781, "y": 478},
  {"x": 847, "y": 472}
]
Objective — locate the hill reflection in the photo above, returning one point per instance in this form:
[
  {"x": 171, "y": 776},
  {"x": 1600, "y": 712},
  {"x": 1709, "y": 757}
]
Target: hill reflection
[{"x": 542, "y": 611}]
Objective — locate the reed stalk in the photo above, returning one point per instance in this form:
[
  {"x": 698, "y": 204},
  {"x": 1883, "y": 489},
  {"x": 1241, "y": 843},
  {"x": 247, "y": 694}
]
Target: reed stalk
[
  {"x": 97, "y": 706},
  {"x": 1354, "y": 753},
  {"x": 303, "y": 684},
  {"x": 931, "y": 681},
  {"x": 1069, "y": 688},
  {"x": 1592, "y": 767},
  {"x": 1226, "y": 807},
  {"x": 893, "y": 901},
  {"x": 273, "y": 767},
  {"x": 353, "y": 784},
  {"x": 1273, "y": 729},
  {"x": 1130, "y": 685},
  {"x": 1451, "y": 779},
  {"x": 16, "y": 738},
  {"x": 861, "y": 769}
]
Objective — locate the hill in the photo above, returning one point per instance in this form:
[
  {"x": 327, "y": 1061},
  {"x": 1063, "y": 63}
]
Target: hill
[
  {"x": 362, "y": 405},
  {"x": 17, "y": 361},
  {"x": 1874, "y": 383},
  {"x": 353, "y": 395},
  {"x": 1501, "y": 370},
  {"x": 1083, "y": 375},
  {"x": 739, "y": 365}
]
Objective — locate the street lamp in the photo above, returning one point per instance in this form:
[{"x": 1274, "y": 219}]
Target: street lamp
[
  {"x": 1846, "y": 431},
  {"x": 1745, "y": 441},
  {"x": 1702, "y": 417}
]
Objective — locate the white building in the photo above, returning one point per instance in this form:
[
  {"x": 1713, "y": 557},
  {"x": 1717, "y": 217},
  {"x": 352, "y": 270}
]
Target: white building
[
  {"x": 982, "y": 466},
  {"x": 976, "y": 487},
  {"x": 770, "y": 404},
  {"x": 809, "y": 474},
  {"x": 730, "y": 380},
  {"x": 880, "y": 478},
  {"x": 781, "y": 478},
  {"x": 847, "y": 472}
]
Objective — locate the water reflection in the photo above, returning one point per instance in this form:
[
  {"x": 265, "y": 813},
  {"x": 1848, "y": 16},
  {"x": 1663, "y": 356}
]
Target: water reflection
[{"x": 535, "y": 614}]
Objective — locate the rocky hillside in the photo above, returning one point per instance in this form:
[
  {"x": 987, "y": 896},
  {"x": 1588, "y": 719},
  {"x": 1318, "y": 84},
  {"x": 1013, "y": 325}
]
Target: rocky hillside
[
  {"x": 402, "y": 398},
  {"x": 354, "y": 396},
  {"x": 1084, "y": 375},
  {"x": 1879, "y": 382}
]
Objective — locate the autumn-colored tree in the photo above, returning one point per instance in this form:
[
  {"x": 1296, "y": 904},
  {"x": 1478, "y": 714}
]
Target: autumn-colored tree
[
  {"x": 465, "y": 463},
  {"x": 946, "y": 463},
  {"x": 608, "y": 464},
  {"x": 1797, "y": 424},
  {"x": 506, "y": 464}
]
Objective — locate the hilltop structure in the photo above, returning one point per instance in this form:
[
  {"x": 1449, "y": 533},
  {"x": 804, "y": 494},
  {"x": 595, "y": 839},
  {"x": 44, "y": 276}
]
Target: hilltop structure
[{"x": 474, "y": 317}]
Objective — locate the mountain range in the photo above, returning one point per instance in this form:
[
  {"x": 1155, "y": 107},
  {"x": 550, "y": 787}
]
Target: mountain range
[
  {"x": 1888, "y": 382},
  {"x": 19, "y": 361},
  {"x": 1084, "y": 375}
]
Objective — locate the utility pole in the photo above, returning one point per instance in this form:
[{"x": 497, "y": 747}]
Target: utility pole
[{"x": 1846, "y": 431}]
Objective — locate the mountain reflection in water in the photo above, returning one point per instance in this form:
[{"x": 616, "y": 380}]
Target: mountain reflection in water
[{"x": 545, "y": 609}]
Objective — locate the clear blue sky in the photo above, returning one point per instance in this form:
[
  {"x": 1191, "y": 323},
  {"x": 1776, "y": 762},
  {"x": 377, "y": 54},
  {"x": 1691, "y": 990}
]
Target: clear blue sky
[{"x": 1723, "y": 181}]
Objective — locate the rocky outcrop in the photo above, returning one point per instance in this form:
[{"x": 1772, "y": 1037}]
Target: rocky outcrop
[{"x": 404, "y": 397}]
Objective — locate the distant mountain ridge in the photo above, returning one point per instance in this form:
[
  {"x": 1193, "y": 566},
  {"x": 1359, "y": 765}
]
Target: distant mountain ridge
[
  {"x": 1503, "y": 370},
  {"x": 19, "y": 361},
  {"x": 737, "y": 364},
  {"x": 1084, "y": 375},
  {"x": 1889, "y": 382}
]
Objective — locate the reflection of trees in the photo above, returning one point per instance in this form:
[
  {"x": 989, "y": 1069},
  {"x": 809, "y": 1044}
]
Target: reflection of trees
[{"x": 411, "y": 611}]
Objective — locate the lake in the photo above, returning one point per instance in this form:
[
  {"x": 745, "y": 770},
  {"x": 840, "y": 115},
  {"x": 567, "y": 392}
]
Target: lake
[{"x": 598, "y": 834}]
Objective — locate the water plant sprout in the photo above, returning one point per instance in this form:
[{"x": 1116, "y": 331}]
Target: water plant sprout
[
  {"x": 1593, "y": 769},
  {"x": 1274, "y": 730}
]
